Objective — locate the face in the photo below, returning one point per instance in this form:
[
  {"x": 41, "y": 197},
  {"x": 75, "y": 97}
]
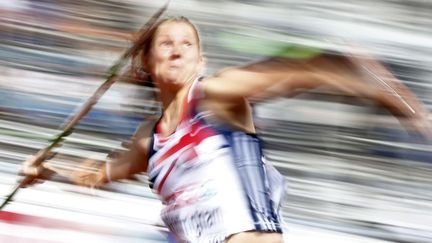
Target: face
[{"x": 174, "y": 57}]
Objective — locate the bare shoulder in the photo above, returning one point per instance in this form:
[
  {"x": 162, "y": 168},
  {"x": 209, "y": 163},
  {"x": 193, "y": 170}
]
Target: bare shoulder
[
  {"x": 142, "y": 136},
  {"x": 234, "y": 111}
]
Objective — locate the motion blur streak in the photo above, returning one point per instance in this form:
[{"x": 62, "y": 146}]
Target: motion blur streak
[{"x": 354, "y": 174}]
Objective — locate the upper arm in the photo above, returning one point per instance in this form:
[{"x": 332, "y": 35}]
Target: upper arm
[
  {"x": 277, "y": 75},
  {"x": 140, "y": 150},
  {"x": 135, "y": 159}
]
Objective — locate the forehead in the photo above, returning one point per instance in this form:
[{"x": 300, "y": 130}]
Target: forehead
[{"x": 176, "y": 29}]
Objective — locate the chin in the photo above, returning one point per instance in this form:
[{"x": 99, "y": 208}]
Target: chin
[
  {"x": 173, "y": 81},
  {"x": 175, "y": 84}
]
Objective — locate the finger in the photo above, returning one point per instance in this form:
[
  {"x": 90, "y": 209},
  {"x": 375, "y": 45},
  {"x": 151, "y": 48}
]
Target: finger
[
  {"x": 29, "y": 160},
  {"x": 38, "y": 181},
  {"x": 50, "y": 170},
  {"x": 46, "y": 173},
  {"x": 26, "y": 181},
  {"x": 29, "y": 171}
]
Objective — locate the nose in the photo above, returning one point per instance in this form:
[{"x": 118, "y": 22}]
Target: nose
[{"x": 176, "y": 51}]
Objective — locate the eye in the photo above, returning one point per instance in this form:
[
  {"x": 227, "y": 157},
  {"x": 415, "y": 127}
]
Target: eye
[
  {"x": 165, "y": 43},
  {"x": 187, "y": 44}
]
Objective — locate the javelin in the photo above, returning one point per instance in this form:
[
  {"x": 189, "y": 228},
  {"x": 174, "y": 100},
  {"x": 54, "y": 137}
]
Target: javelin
[{"x": 112, "y": 76}]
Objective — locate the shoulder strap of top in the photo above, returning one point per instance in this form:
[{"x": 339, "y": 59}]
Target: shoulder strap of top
[{"x": 190, "y": 104}]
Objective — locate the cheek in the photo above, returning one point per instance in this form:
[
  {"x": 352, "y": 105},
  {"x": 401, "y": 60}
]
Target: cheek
[
  {"x": 193, "y": 59},
  {"x": 154, "y": 61}
]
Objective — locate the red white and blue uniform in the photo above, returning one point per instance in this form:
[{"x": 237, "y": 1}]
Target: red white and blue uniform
[{"x": 213, "y": 181}]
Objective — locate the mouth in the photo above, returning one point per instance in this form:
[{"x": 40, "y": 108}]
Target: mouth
[{"x": 174, "y": 65}]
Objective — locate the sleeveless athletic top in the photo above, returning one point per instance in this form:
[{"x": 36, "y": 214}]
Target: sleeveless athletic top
[{"x": 212, "y": 181}]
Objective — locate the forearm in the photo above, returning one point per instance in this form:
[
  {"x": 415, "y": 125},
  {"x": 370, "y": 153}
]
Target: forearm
[
  {"x": 361, "y": 87},
  {"x": 113, "y": 171},
  {"x": 379, "y": 75},
  {"x": 128, "y": 162},
  {"x": 399, "y": 100}
]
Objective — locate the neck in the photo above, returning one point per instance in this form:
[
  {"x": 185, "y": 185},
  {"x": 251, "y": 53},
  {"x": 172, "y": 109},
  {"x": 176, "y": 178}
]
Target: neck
[
  {"x": 170, "y": 97},
  {"x": 172, "y": 102}
]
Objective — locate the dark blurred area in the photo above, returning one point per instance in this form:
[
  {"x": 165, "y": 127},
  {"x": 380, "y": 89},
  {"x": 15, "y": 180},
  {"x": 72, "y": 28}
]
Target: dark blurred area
[{"x": 354, "y": 174}]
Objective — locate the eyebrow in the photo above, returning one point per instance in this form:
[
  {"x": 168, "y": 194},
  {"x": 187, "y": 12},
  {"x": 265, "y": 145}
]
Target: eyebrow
[{"x": 167, "y": 35}]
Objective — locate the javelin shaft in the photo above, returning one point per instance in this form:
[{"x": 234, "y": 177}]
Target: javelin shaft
[{"x": 87, "y": 106}]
